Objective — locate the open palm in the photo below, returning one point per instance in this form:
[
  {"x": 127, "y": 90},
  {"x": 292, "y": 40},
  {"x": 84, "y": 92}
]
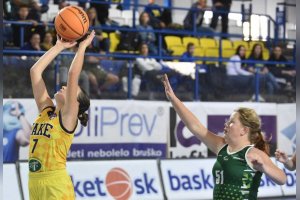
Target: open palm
[
  {"x": 85, "y": 43},
  {"x": 168, "y": 89},
  {"x": 281, "y": 156}
]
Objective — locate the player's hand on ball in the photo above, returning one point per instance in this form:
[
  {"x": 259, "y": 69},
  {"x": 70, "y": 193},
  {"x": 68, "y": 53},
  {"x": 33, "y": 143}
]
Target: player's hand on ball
[
  {"x": 281, "y": 156},
  {"x": 85, "y": 43},
  {"x": 64, "y": 44},
  {"x": 168, "y": 89}
]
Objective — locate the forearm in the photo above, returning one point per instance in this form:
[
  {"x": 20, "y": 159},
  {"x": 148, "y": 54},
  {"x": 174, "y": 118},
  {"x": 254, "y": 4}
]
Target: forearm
[
  {"x": 188, "y": 118},
  {"x": 77, "y": 63},
  {"x": 290, "y": 164},
  {"x": 45, "y": 60},
  {"x": 276, "y": 174}
]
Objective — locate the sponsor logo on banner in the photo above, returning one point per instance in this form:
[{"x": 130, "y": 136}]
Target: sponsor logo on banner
[
  {"x": 110, "y": 180},
  {"x": 120, "y": 180},
  {"x": 188, "y": 179},
  {"x": 125, "y": 129},
  {"x": 184, "y": 144},
  {"x": 192, "y": 179}
]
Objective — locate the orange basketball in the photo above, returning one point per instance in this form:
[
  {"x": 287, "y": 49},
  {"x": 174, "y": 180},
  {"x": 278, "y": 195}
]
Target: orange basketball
[
  {"x": 71, "y": 23},
  {"x": 118, "y": 184}
]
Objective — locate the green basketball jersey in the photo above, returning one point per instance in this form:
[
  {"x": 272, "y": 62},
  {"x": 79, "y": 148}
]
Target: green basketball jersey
[{"x": 234, "y": 179}]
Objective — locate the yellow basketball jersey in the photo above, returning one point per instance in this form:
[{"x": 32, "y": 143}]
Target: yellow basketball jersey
[{"x": 49, "y": 142}]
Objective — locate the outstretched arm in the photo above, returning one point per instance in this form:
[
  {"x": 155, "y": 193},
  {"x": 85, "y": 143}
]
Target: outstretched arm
[
  {"x": 213, "y": 142},
  {"x": 261, "y": 161},
  {"x": 40, "y": 92},
  {"x": 70, "y": 108},
  {"x": 281, "y": 156}
]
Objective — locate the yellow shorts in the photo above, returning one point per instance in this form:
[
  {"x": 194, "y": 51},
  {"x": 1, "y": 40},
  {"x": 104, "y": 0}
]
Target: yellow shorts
[{"x": 53, "y": 185}]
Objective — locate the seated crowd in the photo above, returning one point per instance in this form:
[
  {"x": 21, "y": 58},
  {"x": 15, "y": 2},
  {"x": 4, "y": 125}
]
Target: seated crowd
[{"x": 241, "y": 76}]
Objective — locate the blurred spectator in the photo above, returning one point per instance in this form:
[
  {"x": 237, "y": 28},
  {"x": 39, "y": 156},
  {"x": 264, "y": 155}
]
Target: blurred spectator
[
  {"x": 155, "y": 13},
  {"x": 188, "y": 56},
  {"x": 99, "y": 78},
  {"x": 34, "y": 43},
  {"x": 282, "y": 70},
  {"x": 195, "y": 17},
  {"x": 135, "y": 82},
  {"x": 101, "y": 7},
  {"x": 101, "y": 43},
  {"x": 147, "y": 37},
  {"x": 6, "y": 10},
  {"x": 151, "y": 69},
  {"x": 47, "y": 42},
  {"x": 238, "y": 77},
  {"x": 265, "y": 76},
  {"x": 221, "y": 8},
  {"x": 33, "y": 5},
  {"x": 62, "y": 4},
  {"x": 23, "y": 16}
]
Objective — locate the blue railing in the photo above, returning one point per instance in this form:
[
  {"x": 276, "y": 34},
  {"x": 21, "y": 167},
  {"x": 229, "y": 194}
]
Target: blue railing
[
  {"x": 132, "y": 57},
  {"x": 160, "y": 37}
]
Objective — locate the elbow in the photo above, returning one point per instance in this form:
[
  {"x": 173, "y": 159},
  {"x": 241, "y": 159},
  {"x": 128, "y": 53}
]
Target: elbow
[{"x": 32, "y": 71}]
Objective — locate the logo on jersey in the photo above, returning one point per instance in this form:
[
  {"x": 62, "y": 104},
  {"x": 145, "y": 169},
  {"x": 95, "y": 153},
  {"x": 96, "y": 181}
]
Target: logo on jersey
[
  {"x": 225, "y": 158},
  {"x": 34, "y": 165},
  {"x": 237, "y": 158}
]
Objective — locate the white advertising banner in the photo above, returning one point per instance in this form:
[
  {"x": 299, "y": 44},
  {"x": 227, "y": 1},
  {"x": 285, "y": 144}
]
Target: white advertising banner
[
  {"x": 123, "y": 129},
  {"x": 286, "y": 114},
  {"x": 289, "y": 188},
  {"x": 11, "y": 183},
  {"x": 188, "y": 179},
  {"x": 109, "y": 180},
  {"x": 192, "y": 179},
  {"x": 116, "y": 129},
  {"x": 183, "y": 144}
]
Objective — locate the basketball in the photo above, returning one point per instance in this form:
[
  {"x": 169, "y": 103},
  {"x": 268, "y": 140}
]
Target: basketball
[
  {"x": 118, "y": 184},
  {"x": 71, "y": 23}
]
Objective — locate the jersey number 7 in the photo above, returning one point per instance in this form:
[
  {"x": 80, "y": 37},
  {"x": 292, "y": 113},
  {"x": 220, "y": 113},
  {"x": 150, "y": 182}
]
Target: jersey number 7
[{"x": 35, "y": 143}]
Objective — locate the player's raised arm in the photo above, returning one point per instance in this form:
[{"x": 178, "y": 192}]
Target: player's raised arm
[
  {"x": 70, "y": 108},
  {"x": 213, "y": 142},
  {"x": 39, "y": 89}
]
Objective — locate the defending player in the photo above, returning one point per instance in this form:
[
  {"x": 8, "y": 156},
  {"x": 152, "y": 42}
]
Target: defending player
[
  {"x": 281, "y": 156},
  {"x": 52, "y": 132},
  {"x": 242, "y": 154}
]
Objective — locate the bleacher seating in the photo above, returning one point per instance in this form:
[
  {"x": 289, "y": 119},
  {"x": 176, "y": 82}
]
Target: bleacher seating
[{"x": 237, "y": 43}]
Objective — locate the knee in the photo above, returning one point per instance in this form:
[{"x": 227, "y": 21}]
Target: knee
[{"x": 112, "y": 79}]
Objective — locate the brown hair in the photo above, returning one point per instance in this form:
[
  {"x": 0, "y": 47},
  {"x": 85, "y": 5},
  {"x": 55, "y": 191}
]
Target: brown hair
[
  {"x": 250, "y": 119},
  {"x": 84, "y": 104}
]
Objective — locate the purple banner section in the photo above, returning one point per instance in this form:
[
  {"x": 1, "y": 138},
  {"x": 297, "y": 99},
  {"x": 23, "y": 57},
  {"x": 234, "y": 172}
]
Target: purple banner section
[
  {"x": 215, "y": 123},
  {"x": 115, "y": 150}
]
